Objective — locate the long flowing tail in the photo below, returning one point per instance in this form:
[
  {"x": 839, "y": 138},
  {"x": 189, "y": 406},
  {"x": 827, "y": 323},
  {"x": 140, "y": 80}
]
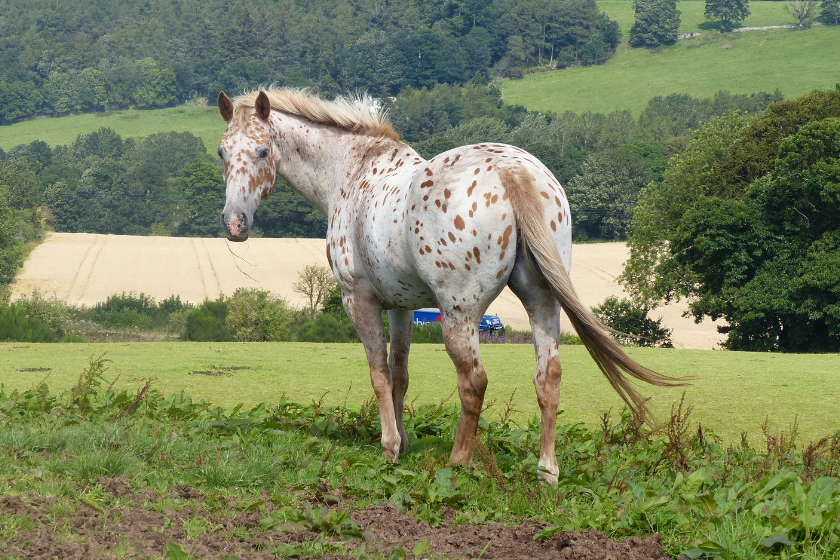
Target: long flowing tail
[{"x": 538, "y": 244}]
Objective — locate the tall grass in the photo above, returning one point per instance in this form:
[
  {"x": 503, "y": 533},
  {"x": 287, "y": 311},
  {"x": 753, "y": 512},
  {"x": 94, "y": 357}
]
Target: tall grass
[{"x": 706, "y": 499}]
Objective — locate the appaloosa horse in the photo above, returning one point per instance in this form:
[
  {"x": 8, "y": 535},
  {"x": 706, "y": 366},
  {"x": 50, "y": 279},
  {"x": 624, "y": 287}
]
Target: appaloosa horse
[{"x": 406, "y": 233}]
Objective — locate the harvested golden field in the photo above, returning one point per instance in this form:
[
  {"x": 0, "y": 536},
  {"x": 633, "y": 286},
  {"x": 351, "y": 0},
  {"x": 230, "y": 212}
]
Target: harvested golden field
[{"x": 84, "y": 269}]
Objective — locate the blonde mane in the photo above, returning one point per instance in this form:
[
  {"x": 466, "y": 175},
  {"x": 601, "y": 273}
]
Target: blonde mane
[{"x": 354, "y": 114}]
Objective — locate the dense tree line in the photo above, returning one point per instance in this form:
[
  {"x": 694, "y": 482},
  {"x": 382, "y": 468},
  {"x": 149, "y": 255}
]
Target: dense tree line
[
  {"x": 746, "y": 225},
  {"x": 60, "y": 57}
]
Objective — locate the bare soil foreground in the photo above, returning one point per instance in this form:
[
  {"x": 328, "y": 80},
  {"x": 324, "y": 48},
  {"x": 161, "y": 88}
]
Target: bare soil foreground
[
  {"x": 141, "y": 528},
  {"x": 85, "y": 269}
]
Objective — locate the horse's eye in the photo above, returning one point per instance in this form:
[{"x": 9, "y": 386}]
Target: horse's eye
[
  {"x": 264, "y": 153},
  {"x": 221, "y": 154}
]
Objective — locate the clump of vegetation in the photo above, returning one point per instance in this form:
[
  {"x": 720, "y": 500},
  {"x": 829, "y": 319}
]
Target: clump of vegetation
[
  {"x": 54, "y": 312},
  {"x": 16, "y": 325},
  {"x": 258, "y": 315},
  {"x": 627, "y": 317},
  {"x": 328, "y": 327},
  {"x": 207, "y": 322},
  {"x": 136, "y": 311},
  {"x": 37, "y": 318}
]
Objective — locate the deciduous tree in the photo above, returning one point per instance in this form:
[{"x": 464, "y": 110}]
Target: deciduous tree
[
  {"x": 657, "y": 23},
  {"x": 729, "y": 12},
  {"x": 803, "y": 11},
  {"x": 315, "y": 284}
]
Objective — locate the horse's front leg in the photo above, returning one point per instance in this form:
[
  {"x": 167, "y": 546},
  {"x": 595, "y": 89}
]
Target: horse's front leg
[
  {"x": 401, "y": 322},
  {"x": 365, "y": 312}
]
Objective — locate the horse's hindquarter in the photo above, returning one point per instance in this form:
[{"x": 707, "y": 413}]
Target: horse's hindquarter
[
  {"x": 442, "y": 232},
  {"x": 463, "y": 232}
]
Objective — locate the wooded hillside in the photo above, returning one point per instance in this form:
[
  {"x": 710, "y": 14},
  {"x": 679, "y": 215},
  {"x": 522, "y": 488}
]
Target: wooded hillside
[{"x": 59, "y": 57}]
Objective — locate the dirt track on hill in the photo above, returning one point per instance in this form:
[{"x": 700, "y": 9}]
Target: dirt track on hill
[{"x": 84, "y": 269}]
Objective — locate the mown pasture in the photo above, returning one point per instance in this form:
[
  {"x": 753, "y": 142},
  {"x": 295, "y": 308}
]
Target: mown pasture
[
  {"x": 792, "y": 60},
  {"x": 692, "y": 20},
  {"x": 732, "y": 392},
  {"x": 202, "y": 121}
]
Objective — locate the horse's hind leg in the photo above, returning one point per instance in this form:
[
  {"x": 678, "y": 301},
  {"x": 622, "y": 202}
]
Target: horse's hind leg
[
  {"x": 365, "y": 311},
  {"x": 460, "y": 335},
  {"x": 544, "y": 314},
  {"x": 402, "y": 327}
]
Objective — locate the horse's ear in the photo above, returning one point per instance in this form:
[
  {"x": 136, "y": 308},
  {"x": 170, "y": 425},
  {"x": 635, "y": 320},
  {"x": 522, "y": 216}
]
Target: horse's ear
[
  {"x": 225, "y": 106},
  {"x": 263, "y": 106}
]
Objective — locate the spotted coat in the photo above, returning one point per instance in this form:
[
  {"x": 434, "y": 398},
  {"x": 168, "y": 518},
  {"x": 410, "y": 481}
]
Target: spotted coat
[{"x": 405, "y": 233}]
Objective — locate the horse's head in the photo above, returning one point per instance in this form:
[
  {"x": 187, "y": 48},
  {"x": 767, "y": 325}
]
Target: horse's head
[{"x": 249, "y": 165}]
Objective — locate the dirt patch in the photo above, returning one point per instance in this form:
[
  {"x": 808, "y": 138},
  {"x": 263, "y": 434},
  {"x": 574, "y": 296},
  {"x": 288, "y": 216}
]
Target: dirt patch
[
  {"x": 141, "y": 525},
  {"x": 219, "y": 372},
  {"x": 495, "y": 540}
]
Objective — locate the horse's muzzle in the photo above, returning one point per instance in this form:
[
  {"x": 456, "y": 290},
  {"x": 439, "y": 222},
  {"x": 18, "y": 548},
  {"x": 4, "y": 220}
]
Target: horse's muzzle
[{"x": 235, "y": 226}]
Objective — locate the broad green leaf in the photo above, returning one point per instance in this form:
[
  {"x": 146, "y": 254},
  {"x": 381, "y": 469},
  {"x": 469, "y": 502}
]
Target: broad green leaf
[
  {"x": 781, "y": 539},
  {"x": 255, "y": 505},
  {"x": 421, "y": 547},
  {"x": 548, "y": 532},
  {"x": 694, "y": 482},
  {"x": 175, "y": 552}
]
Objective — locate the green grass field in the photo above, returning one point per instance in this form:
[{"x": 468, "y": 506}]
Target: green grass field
[
  {"x": 732, "y": 391},
  {"x": 692, "y": 20},
  {"x": 202, "y": 121},
  {"x": 795, "y": 61}
]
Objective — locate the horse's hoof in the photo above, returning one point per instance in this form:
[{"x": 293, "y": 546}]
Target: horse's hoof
[{"x": 391, "y": 452}]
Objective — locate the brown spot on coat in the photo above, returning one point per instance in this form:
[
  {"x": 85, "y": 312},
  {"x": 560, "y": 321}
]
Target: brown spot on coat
[
  {"x": 470, "y": 190},
  {"x": 459, "y": 223},
  {"x": 477, "y": 255}
]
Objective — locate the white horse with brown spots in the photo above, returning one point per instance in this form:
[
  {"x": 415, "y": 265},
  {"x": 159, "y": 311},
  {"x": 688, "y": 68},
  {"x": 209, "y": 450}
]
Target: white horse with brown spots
[{"x": 406, "y": 233}]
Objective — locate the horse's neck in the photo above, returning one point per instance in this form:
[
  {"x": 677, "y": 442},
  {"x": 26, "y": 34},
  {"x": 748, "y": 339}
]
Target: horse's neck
[{"x": 319, "y": 160}]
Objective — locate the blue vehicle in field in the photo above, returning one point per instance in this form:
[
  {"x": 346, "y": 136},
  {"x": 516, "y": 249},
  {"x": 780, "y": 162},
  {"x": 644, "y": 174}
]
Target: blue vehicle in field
[{"x": 489, "y": 323}]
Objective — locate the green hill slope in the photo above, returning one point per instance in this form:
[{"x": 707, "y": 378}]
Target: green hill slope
[
  {"x": 202, "y": 121},
  {"x": 795, "y": 61},
  {"x": 762, "y": 14}
]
